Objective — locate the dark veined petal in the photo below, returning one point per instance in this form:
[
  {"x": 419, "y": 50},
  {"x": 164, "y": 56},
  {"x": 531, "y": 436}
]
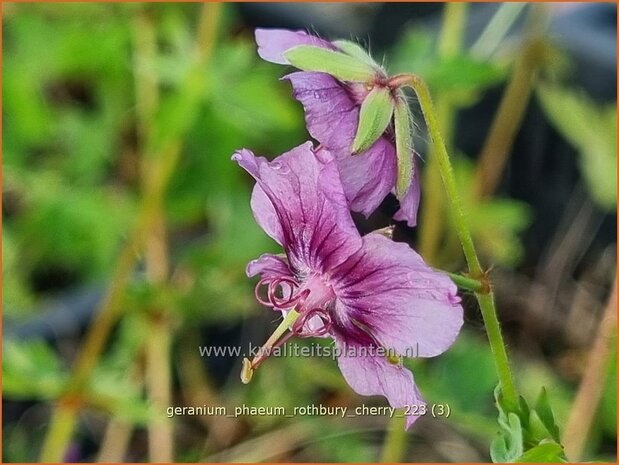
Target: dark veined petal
[
  {"x": 273, "y": 43},
  {"x": 371, "y": 375},
  {"x": 265, "y": 214},
  {"x": 303, "y": 191},
  {"x": 387, "y": 290},
  {"x": 332, "y": 115}
]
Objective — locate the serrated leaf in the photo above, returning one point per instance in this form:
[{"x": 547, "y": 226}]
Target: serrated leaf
[
  {"x": 356, "y": 51},
  {"x": 337, "y": 64},
  {"x": 546, "y": 416},
  {"x": 546, "y": 452},
  {"x": 404, "y": 147},
  {"x": 374, "y": 117}
]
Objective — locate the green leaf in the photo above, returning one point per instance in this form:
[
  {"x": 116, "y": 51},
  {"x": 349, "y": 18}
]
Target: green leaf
[
  {"x": 545, "y": 414},
  {"x": 592, "y": 130},
  {"x": 374, "y": 117},
  {"x": 404, "y": 147},
  {"x": 414, "y": 52},
  {"x": 545, "y": 452},
  {"x": 463, "y": 73},
  {"x": 496, "y": 223},
  {"x": 356, "y": 51},
  {"x": 343, "y": 67},
  {"x": 509, "y": 445},
  {"x": 31, "y": 370}
]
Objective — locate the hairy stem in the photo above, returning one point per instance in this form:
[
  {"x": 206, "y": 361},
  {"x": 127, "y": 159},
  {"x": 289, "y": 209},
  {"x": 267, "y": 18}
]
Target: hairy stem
[
  {"x": 469, "y": 284},
  {"x": 486, "y": 300},
  {"x": 433, "y": 212}
]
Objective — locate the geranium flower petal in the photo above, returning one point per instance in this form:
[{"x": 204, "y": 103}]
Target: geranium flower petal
[
  {"x": 409, "y": 205},
  {"x": 331, "y": 116},
  {"x": 371, "y": 375},
  {"x": 307, "y": 199},
  {"x": 387, "y": 290},
  {"x": 273, "y": 43},
  {"x": 268, "y": 265}
]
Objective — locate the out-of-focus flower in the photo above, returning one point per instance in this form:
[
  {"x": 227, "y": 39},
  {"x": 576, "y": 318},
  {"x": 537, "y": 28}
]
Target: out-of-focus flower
[
  {"x": 352, "y": 108},
  {"x": 364, "y": 292}
]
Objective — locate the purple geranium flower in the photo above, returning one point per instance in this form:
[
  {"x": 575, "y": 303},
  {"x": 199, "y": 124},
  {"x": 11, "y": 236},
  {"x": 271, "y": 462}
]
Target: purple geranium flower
[
  {"x": 376, "y": 298},
  {"x": 332, "y": 109}
]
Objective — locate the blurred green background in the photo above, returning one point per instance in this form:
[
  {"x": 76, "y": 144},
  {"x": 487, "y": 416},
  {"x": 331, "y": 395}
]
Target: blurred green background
[{"x": 119, "y": 121}]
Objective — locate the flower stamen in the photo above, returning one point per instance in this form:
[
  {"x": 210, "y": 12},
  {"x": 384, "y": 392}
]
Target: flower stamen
[{"x": 277, "y": 339}]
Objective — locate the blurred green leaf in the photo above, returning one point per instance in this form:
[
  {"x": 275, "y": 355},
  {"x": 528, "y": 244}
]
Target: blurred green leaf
[
  {"x": 496, "y": 222},
  {"x": 17, "y": 297},
  {"x": 413, "y": 53},
  {"x": 608, "y": 402},
  {"x": 462, "y": 76},
  {"x": 463, "y": 73},
  {"x": 31, "y": 370},
  {"x": 592, "y": 129}
]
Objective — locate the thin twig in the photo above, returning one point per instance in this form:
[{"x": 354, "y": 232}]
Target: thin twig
[
  {"x": 511, "y": 112},
  {"x": 590, "y": 390},
  {"x": 166, "y": 151}
]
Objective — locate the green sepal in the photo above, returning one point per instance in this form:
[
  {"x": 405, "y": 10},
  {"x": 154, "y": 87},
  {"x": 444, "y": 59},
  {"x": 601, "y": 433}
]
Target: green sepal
[
  {"x": 546, "y": 416},
  {"x": 337, "y": 64},
  {"x": 374, "y": 117},
  {"x": 356, "y": 51},
  {"x": 403, "y": 147}
]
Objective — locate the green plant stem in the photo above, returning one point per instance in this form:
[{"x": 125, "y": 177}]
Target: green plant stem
[
  {"x": 452, "y": 29},
  {"x": 118, "y": 430},
  {"x": 432, "y": 214},
  {"x": 469, "y": 284},
  {"x": 497, "y": 29},
  {"x": 59, "y": 433},
  {"x": 394, "y": 446},
  {"x": 158, "y": 379},
  {"x": 164, "y": 160},
  {"x": 486, "y": 300},
  {"x": 433, "y": 211},
  {"x": 158, "y": 342}
]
